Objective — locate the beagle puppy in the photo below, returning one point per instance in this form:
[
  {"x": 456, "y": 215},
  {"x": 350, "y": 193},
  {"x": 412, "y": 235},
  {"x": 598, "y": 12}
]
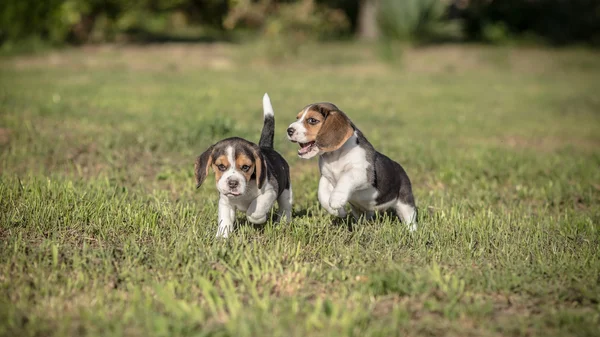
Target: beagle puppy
[
  {"x": 352, "y": 171},
  {"x": 250, "y": 177}
]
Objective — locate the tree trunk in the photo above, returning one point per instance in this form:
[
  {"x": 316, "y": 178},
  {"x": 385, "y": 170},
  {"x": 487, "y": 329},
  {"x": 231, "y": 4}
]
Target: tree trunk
[{"x": 367, "y": 20}]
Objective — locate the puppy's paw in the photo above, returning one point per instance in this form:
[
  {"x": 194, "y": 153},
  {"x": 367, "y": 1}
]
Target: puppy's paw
[
  {"x": 337, "y": 200},
  {"x": 284, "y": 218},
  {"x": 223, "y": 233},
  {"x": 257, "y": 219},
  {"x": 340, "y": 212},
  {"x": 412, "y": 227}
]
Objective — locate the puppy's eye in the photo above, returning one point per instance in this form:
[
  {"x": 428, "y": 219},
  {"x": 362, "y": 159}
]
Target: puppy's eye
[
  {"x": 245, "y": 168},
  {"x": 221, "y": 167},
  {"x": 312, "y": 121}
]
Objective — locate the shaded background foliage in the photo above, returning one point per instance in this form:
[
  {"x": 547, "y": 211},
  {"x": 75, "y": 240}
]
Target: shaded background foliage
[
  {"x": 555, "y": 21},
  {"x": 84, "y": 21}
]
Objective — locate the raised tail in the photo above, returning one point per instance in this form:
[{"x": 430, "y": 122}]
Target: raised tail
[{"x": 268, "y": 131}]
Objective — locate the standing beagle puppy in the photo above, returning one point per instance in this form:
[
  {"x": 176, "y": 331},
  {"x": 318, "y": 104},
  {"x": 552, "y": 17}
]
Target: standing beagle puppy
[
  {"x": 352, "y": 171},
  {"x": 250, "y": 177}
]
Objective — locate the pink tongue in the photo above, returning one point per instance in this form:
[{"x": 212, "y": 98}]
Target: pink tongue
[{"x": 305, "y": 149}]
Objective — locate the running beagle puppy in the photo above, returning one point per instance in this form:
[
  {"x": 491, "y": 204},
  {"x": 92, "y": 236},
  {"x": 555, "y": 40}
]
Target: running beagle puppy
[
  {"x": 249, "y": 177},
  {"x": 352, "y": 171}
]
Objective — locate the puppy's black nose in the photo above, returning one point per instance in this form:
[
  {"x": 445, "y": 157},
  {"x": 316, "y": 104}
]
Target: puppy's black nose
[
  {"x": 290, "y": 131},
  {"x": 233, "y": 183}
]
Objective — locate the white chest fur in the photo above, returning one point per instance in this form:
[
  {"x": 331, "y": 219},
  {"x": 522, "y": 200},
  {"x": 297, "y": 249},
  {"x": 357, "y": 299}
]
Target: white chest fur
[
  {"x": 242, "y": 202},
  {"x": 349, "y": 166},
  {"x": 255, "y": 202}
]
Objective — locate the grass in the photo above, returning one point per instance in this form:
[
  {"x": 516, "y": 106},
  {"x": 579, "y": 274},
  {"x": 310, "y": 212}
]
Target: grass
[{"x": 103, "y": 233}]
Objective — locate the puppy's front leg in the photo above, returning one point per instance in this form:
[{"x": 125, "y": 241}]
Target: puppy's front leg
[
  {"x": 325, "y": 189},
  {"x": 342, "y": 190},
  {"x": 258, "y": 209},
  {"x": 226, "y": 217}
]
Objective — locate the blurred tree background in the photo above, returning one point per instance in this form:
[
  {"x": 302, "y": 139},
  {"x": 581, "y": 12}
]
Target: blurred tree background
[{"x": 58, "y": 22}]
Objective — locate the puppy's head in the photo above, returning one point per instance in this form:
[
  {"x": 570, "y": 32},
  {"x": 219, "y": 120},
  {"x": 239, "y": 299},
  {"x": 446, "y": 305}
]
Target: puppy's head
[
  {"x": 319, "y": 128},
  {"x": 236, "y": 163}
]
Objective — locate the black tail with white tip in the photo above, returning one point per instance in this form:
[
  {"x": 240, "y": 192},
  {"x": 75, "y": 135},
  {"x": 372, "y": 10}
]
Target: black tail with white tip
[{"x": 268, "y": 131}]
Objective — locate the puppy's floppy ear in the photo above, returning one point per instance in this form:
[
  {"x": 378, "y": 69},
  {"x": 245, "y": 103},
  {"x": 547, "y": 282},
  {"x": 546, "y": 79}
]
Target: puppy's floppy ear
[
  {"x": 260, "y": 167},
  {"x": 202, "y": 165},
  {"x": 335, "y": 131}
]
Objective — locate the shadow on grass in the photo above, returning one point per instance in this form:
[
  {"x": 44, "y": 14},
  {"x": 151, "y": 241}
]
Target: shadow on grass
[
  {"x": 349, "y": 221},
  {"x": 423, "y": 215},
  {"x": 242, "y": 221}
]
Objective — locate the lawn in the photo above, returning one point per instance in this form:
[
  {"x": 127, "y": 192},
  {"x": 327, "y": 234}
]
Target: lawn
[{"x": 102, "y": 231}]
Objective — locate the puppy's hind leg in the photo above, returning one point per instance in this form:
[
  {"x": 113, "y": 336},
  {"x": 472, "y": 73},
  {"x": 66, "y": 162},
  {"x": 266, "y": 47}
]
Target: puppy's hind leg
[
  {"x": 408, "y": 214},
  {"x": 285, "y": 205}
]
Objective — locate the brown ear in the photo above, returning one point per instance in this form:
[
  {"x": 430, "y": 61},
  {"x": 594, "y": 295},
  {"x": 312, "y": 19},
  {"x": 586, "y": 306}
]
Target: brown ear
[
  {"x": 202, "y": 165},
  {"x": 335, "y": 131},
  {"x": 260, "y": 168}
]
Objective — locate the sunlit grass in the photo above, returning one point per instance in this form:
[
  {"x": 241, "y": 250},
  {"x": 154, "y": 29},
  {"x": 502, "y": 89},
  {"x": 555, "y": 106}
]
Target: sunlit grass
[{"x": 103, "y": 232}]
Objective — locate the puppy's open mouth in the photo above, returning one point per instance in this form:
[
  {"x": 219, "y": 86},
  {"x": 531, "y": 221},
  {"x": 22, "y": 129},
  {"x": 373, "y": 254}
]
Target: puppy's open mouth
[
  {"x": 306, "y": 147},
  {"x": 233, "y": 194}
]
